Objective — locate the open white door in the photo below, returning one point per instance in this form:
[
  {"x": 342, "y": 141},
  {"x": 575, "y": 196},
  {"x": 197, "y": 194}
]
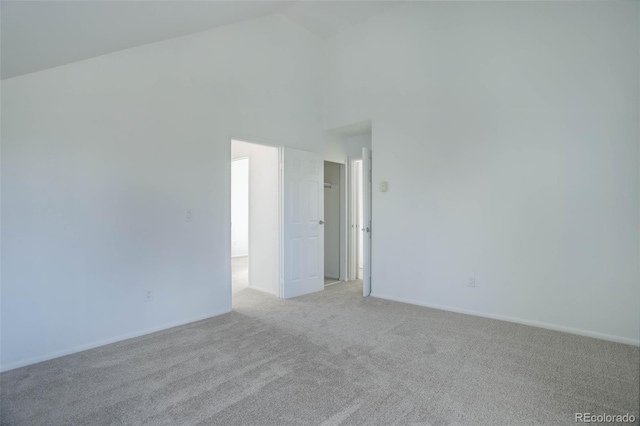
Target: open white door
[
  {"x": 366, "y": 223},
  {"x": 302, "y": 222}
]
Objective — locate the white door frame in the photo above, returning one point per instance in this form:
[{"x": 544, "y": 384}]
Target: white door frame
[
  {"x": 353, "y": 232},
  {"x": 280, "y": 292},
  {"x": 367, "y": 207},
  {"x": 344, "y": 220},
  {"x": 352, "y": 271}
]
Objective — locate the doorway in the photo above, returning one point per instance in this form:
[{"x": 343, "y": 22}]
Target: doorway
[
  {"x": 334, "y": 206},
  {"x": 360, "y": 224},
  {"x": 284, "y": 238},
  {"x": 356, "y": 141},
  {"x": 255, "y": 217}
]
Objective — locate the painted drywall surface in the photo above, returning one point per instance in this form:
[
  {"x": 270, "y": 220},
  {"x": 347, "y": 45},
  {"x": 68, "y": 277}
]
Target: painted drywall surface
[
  {"x": 335, "y": 148},
  {"x": 239, "y": 207},
  {"x": 263, "y": 214},
  {"x": 100, "y": 160},
  {"x": 355, "y": 143},
  {"x": 508, "y": 133},
  {"x": 332, "y": 197}
]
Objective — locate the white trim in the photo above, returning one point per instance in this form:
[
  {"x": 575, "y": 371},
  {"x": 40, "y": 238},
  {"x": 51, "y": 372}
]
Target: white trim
[
  {"x": 280, "y": 292},
  {"x": 344, "y": 219},
  {"x": 578, "y": 331},
  {"x": 367, "y": 219},
  {"x": 249, "y": 245},
  {"x": 228, "y": 275},
  {"x": 120, "y": 338},
  {"x": 352, "y": 233}
]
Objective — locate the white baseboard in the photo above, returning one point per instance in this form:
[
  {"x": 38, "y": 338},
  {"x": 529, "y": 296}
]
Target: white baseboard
[
  {"x": 578, "y": 331},
  {"x": 76, "y": 349}
]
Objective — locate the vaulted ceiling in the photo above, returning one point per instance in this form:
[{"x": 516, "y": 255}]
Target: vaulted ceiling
[{"x": 36, "y": 35}]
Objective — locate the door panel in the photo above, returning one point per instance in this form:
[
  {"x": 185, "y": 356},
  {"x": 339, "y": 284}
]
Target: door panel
[
  {"x": 302, "y": 231},
  {"x": 366, "y": 216}
]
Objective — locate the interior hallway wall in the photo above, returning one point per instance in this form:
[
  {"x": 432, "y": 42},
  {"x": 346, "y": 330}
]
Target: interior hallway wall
[
  {"x": 240, "y": 207},
  {"x": 264, "y": 219}
]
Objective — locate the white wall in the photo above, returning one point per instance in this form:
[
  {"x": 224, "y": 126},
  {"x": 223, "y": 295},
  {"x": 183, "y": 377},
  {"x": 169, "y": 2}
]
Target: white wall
[
  {"x": 239, "y": 207},
  {"x": 335, "y": 148},
  {"x": 508, "y": 133},
  {"x": 355, "y": 143},
  {"x": 100, "y": 160},
  {"x": 264, "y": 214},
  {"x": 332, "y": 225}
]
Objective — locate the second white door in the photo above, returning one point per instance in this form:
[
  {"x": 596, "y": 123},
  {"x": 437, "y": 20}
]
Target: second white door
[{"x": 302, "y": 221}]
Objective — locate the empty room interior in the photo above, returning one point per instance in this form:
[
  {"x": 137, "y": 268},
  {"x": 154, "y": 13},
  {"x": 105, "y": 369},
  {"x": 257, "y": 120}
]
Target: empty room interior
[{"x": 320, "y": 212}]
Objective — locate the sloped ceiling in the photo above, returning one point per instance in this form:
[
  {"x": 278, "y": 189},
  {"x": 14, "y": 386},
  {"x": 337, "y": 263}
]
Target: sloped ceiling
[{"x": 36, "y": 35}]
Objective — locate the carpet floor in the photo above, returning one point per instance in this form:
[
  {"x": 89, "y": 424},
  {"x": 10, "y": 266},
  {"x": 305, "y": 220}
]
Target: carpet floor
[{"x": 330, "y": 358}]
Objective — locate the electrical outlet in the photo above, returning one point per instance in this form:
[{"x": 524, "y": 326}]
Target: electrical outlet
[
  {"x": 188, "y": 216},
  {"x": 148, "y": 295},
  {"x": 472, "y": 282}
]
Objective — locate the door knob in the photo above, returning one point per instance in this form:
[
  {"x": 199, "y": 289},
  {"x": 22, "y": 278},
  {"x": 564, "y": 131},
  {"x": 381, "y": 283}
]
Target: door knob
[{"x": 321, "y": 222}]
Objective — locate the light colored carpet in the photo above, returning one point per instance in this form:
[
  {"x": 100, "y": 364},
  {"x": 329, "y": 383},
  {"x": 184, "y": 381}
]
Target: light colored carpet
[{"x": 332, "y": 357}]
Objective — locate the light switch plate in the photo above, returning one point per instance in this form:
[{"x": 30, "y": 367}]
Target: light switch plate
[{"x": 383, "y": 186}]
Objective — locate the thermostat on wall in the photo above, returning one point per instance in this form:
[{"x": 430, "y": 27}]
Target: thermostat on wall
[{"x": 383, "y": 186}]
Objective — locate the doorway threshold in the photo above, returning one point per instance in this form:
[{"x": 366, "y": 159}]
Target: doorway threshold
[{"x": 331, "y": 281}]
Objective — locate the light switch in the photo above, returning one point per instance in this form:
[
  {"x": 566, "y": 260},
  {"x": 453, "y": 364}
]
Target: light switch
[{"x": 383, "y": 186}]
